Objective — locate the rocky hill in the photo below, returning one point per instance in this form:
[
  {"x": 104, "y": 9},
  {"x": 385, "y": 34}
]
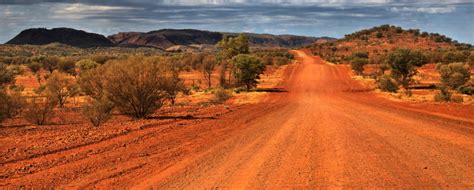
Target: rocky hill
[
  {"x": 377, "y": 41},
  {"x": 168, "y": 38},
  {"x": 72, "y": 37}
]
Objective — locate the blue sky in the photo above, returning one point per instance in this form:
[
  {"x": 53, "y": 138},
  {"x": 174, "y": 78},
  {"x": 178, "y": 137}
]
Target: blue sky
[{"x": 333, "y": 18}]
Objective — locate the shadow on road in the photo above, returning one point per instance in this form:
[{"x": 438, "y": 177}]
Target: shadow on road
[{"x": 277, "y": 90}]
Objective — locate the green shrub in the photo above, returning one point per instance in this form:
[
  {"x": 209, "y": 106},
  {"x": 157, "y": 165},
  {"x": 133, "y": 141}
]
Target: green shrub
[
  {"x": 387, "y": 84},
  {"x": 34, "y": 67},
  {"x": 86, "y": 64},
  {"x": 11, "y": 105},
  {"x": 379, "y": 35},
  {"x": 6, "y": 75},
  {"x": 454, "y": 75},
  {"x": 39, "y": 111},
  {"x": 443, "y": 95},
  {"x": 67, "y": 66},
  {"x": 466, "y": 89},
  {"x": 221, "y": 95},
  {"x": 60, "y": 87},
  {"x": 357, "y": 64},
  {"x": 136, "y": 86},
  {"x": 98, "y": 111}
]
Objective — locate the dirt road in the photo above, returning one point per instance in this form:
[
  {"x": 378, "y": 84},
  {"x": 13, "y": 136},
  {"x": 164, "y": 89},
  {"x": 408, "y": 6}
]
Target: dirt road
[{"x": 326, "y": 131}]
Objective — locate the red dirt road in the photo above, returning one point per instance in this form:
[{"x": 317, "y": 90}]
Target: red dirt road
[{"x": 327, "y": 131}]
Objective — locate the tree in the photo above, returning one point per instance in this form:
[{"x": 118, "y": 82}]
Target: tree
[
  {"x": 35, "y": 67},
  {"x": 230, "y": 47},
  {"x": 247, "y": 70},
  {"x": 207, "y": 67},
  {"x": 403, "y": 64},
  {"x": 454, "y": 75},
  {"x": 173, "y": 85},
  {"x": 49, "y": 63},
  {"x": 60, "y": 87}
]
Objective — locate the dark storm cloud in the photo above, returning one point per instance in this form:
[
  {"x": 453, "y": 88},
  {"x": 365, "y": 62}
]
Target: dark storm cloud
[{"x": 305, "y": 17}]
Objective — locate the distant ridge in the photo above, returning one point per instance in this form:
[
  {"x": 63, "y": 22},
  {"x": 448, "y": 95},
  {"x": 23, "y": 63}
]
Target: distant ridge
[
  {"x": 170, "y": 37},
  {"x": 72, "y": 37},
  {"x": 162, "y": 39}
]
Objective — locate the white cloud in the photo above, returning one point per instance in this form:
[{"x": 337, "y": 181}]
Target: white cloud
[
  {"x": 430, "y": 10},
  {"x": 81, "y": 8}
]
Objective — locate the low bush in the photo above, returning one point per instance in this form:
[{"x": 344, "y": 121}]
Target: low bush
[
  {"x": 61, "y": 87},
  {"x": 221, "y": 95},
  {"x": 454, "y": 75},
  {"x": 98, "y": 111},
  {"x": 443, "y": 95},
  {"x": 137, "y": 86},
  {"x": 357, "y": 64},
  {"x": 457, "y": 99},
  {"x": 10, "y": 105},
  {"x": 39, "y": 110},
  {"x": 466, "y": 89},
  {"x": 387, "y": 84}
]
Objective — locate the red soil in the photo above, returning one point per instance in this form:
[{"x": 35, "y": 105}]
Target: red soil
[{"x": 327, "y": 131}]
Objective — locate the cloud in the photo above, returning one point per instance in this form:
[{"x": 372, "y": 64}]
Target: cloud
[
  {"x": 81, "y": 8},
  {"x": 430, "y": 10},
  {"x": 304, "y": 17}
]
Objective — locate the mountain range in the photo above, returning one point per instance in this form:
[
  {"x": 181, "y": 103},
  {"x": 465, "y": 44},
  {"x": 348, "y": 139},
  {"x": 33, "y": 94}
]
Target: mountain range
[{"x": 162, "y": 39}]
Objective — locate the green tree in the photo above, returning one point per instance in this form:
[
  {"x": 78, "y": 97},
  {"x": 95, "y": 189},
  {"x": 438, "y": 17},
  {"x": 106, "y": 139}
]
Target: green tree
[
  {"x": 247, "y": 70},
  {"x": 49, "y": 63},
  {"x": 230, "y": 47},
  {"x": 207, "y": 67},
  {"x": 403, "y": 64}
]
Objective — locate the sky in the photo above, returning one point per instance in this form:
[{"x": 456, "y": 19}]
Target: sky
[{"x": 332, "y": 18}]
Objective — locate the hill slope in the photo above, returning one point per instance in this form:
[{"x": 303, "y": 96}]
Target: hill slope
[
  {"x": 76, "y": 38},
  {"x": 379, "y": 40},
  {"x": 168, "y": 37}
]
